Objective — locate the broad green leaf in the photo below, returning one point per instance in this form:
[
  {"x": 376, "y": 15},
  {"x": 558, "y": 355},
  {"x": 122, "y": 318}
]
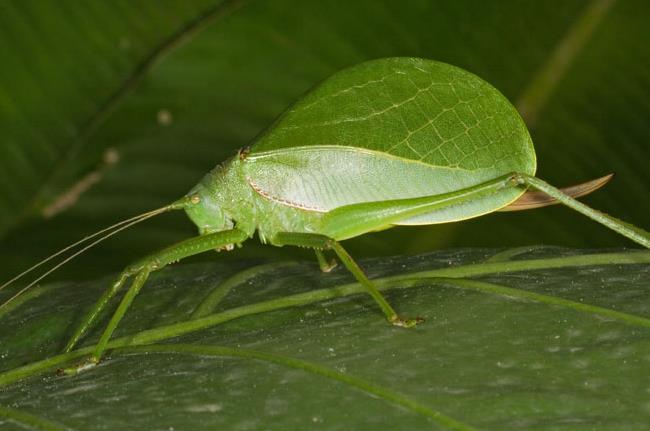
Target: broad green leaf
[
  {"x": 229, "y": 82},
  {"x": 535, "y": 338}
]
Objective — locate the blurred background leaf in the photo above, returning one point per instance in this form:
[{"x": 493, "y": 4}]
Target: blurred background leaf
[{"x": 136, "y": 101}]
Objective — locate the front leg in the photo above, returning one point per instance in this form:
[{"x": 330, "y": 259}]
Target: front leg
[
  {"x": 141, "y": 271},
  {"x": 322, "y": 242}
]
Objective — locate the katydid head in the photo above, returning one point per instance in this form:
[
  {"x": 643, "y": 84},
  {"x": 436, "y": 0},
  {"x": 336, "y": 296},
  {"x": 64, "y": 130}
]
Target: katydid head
[{"x": 205, "y": 211}]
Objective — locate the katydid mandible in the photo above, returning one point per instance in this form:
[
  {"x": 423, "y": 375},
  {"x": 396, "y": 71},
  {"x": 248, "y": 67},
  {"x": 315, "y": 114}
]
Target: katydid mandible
[{"x": 396, "y": 141}]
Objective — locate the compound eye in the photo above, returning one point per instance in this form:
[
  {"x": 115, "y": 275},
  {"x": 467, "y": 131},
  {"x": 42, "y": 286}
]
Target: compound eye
[{"x": 195, "y": 199}]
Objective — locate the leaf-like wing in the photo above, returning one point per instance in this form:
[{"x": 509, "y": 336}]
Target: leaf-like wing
[
  {"x": 411, "y": 108},
  {"x": 390, "y": 129}
]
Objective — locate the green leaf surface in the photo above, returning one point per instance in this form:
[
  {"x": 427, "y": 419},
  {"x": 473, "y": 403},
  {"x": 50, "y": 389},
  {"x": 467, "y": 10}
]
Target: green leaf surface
[
  {"x": 534, "y": 338},
  {"x": 192, "y": 107}
]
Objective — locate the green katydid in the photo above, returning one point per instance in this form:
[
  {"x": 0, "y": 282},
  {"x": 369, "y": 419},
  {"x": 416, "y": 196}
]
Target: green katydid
[{"x": 397, "y": 141}]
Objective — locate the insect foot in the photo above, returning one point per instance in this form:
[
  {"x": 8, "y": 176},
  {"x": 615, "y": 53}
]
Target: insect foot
[
  {"x": 405, "y": 323},
  {"x": 79, "y": 368},
  {"x": 323, "y": 263},
  {"x": 329, "y": 266}
]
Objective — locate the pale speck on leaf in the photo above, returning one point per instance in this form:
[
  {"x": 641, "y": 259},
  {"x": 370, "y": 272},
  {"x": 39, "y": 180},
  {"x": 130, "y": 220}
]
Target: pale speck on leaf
[{"x": 164, "y": 117}]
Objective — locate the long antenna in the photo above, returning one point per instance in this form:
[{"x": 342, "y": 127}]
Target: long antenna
[
  {"x": 81, "y": 241},
  {"x": 112, "y": 230}
]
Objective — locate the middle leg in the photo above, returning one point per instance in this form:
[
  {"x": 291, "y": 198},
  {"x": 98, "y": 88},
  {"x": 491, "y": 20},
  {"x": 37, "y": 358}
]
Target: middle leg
[
  {"x": 322, "y": 242},
  {"x": 325, "y": 266}
]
